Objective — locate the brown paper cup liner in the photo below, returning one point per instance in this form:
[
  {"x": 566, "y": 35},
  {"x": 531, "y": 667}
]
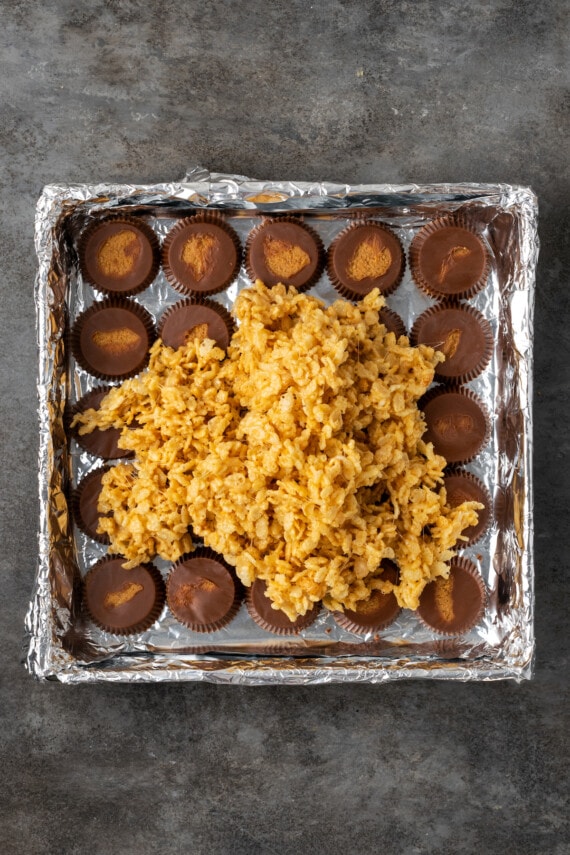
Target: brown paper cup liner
[
  {"x": 265, "y": 621},
  {"x": 302, "y": 285},
  {"x": 90, "y": 482},
  {"x": 479, "y": 494},
  {"x": 219, "y": 282},
  {"x": 345, "y": 290},
  {"x": 444, "y": 371},
  {"x": 346, "y": 621},
  {"x": 128, "y": 286},
  {"x": 101, "y": 443},
  {"x": 144, "y": 620},
  {"x": 457, "y": 449},
  {"x": 393, "y": 322},
  {"x": 433, "y": 288},
  {"x": 220, "y": 310},
  {"x": 195, "y": 625},
  {"x": 466, "y": 606},
  {"x": 115, "y": 370}
]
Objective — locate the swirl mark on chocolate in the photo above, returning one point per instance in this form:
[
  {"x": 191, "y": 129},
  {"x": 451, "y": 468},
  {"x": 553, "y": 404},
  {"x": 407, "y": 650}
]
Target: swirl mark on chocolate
[
  {"x": 198, "y": 254},
  {"x": 444, "y": 598},
  {"x": 370, "y": 260},
  {"x": 122, "y": 595},
  {"x": 283, "y": 258},
  {"x": 453, "y": 425},
  {"x": 117, "y": 341},
  {"x": 451, "y": 259}
]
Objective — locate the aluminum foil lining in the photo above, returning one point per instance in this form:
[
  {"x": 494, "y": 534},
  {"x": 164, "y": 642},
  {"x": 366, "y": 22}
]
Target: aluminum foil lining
[{"x": 62, "y": 645}]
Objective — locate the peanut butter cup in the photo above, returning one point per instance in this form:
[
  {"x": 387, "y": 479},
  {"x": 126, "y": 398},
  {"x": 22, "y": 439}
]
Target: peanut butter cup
[
  {"x": 273, "y": 620},
  {"x": 365, "y": 256},
  {"x": 111, "y": 339},
  {"x": 461, "y": 486},
  {"x": 119, "y": 255},
  {"x": 462, "y": 334},
  {"x": 196, "y": 319},
  {"x": 375, "y": 613},
  {"x": 201, "y": 255},
  {"x": 202, "y": 591},
  {"x": 392, "y": 321},
  {"x": 449, "y": 259},
  {"x": 124, "y": 602},
  {"x": 456, "y": 423},
  {"x": 285, "y": 251},
  {"x": 454, "y": 605},
  {"x": 84, "y": 504},
  {"x": 102, "y": 443}
]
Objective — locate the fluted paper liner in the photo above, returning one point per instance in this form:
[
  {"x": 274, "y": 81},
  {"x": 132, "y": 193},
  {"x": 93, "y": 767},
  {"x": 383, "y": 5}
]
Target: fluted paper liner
[
  {"x": 296, "y": 626},
  {"x": 345, "y": 290},
  {"x": 102, "y": 306},
  {"x": 480, "y": 364},
  {"x": 208, "y": 218},
  {"x": 212, "y": 626},
  {"x": 298, "y": 221},
  {"x": 76, "y": 505},
  {"x": 152, "y": 615},
  {"x": 431, "y": 288},
  {"x": 465, "y": 566},
  {"x": 199, "y": 301},
  {"x": 145, "y": 231}
]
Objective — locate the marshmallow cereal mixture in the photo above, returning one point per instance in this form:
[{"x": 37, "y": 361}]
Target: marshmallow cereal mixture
[{"x": 298, "y": 455}]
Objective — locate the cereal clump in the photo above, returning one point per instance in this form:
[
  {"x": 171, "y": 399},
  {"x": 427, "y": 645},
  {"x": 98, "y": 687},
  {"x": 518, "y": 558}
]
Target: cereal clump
[{"x": 298, "y": 457}]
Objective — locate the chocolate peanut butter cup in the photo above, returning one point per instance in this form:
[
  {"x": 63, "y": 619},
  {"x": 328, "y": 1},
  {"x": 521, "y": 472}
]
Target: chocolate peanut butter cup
[
  {"x": 197, "y": 318},
  {"x": 111, "y": 339},
  {"x": 102, "y": 443},
  {"x": 84, "y": 501},
  {"x": 124, "y": 602},
  {"x": 375, "y": 613},
  {"x": 285, "y": 251},
  {"x": 454, "y": 605},
  {"x": 201, "y": 255},
  {"x": 456, "y": 423},
  {"x": 449, "y": 259},
  {"x": 119, "y": 255},
  {"x": 392, "y": 321},
  {"x": 364, "y": 256},
  {"x": 202, "y": 591},
  {"x": 261, "y": 610},
  {"x": 462, "y": 334},
  {"x": 461, "y": 486}
]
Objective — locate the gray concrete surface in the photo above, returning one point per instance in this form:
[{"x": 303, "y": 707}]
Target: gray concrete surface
[{"x": 355, "y": 91}]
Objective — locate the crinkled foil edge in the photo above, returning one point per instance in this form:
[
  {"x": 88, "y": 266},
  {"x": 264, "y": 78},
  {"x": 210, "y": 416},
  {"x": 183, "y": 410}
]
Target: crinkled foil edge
[{"x": 50, "y": 615}]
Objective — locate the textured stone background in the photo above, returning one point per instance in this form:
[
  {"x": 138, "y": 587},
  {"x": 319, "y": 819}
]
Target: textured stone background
[{"x": 355, "y": 91}]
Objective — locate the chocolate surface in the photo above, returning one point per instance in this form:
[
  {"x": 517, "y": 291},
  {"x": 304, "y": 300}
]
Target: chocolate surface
[
  {"x": 187, "y": 320},
  {"x": 274, "y": 620},
  {"x": 456, "y": 424},
  {"x": 284, "y": 252},
  {"x": 448, "y": 259},
  {"x": 85, "y": 500},
  {"x": 123, "y": 601},
  {"x": 201, "y": 593},
  {"x": 454, "y": 605},
  {"x": 200, "y": 256},
  {"x": 112, "y": 341},
  {"x": 462, "y": 487},
  {"x": 103, "y": 443},
  {"x": 364, "y": 257},
  {"x": 463, "y": 335},
  {"x": 378, "y": 611},
  {"x": 119, "y": 257}
]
